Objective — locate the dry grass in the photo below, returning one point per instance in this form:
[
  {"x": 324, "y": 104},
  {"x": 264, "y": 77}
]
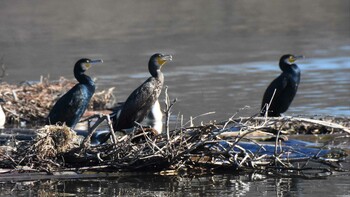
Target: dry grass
[{"x": 53, "y": 140}]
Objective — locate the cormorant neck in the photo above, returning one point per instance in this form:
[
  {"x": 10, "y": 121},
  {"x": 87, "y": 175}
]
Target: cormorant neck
[
  {"x": 84, "y": 79},
  {"x": 156, "y": 73},
  {"x": 290, "y": 68}
]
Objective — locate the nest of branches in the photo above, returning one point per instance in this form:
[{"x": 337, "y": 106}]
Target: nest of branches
[
  {"x": 31, "y": 102},
  {"x": 41, "y": 154},
  {"x": 238, "y": 144}
]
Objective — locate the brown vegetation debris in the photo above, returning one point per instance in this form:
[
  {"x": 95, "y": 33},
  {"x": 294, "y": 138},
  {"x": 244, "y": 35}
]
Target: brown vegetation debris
[
  {"x": 31, "y": 102},
  {"x": 299, "y": 125},
  {"x": 53, "y": 140},
  {"x": 201, "y": 148}
]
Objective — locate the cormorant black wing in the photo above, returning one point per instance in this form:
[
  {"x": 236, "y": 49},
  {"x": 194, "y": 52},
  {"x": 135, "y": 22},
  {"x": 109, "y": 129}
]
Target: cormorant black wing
[
  {"x": 138, "y": 104},
  {"x": 274, "y": 91},
  {"x": 70, "y": 107}
]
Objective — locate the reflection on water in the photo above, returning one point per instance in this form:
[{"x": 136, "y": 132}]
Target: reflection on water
[
  {"x": 225, "y": 54},
  {"x": 209, "y": 185}
]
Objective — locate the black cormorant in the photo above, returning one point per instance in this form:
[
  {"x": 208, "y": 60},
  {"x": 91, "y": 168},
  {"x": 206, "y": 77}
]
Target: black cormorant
[
  {"x": 71, "y": 106},
  {"x": 141, "y": 101},
  {"x": 280, "y": 93}
]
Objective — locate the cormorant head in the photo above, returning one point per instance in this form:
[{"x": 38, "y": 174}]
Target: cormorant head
[
  {"x": 84, "y": 64},
  {"x": 288, "y": 60},
  {"x": 157, "y": 61}
]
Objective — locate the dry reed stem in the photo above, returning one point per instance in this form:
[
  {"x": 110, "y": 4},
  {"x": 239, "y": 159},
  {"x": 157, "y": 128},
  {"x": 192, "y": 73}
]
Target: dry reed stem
[{"x": 168, "y": 106}]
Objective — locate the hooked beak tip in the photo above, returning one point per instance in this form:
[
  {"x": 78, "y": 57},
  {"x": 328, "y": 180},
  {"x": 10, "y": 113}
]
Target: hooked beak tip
[
  {"x": 168, "y": 57},
  {"x": 96, "y": 61}
]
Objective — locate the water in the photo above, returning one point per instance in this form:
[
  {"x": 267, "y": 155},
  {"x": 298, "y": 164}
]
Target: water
[
  {"x": 225, "y": 54},
  {"x": 208, "y": 185}
]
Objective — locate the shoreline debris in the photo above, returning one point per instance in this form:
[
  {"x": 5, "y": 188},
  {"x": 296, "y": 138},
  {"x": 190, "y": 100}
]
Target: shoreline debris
[{"x": 185, "y": 151}]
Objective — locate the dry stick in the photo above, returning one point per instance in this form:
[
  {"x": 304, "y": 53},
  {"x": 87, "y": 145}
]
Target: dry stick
[
  {"x": 231, "y": 118},
  {"x": 167, "y": 111},
  {"x": 267, "y": 107},
  {"x": 148, "y": 140},
  {"x": 319, "y": 122},
  {"x": 246, "y": 133},
  {"x": 309, "y": 159},
  {"x": 87, "y": 168},
  {"x": 276, "y": 143},
  {"x": 243, "y": 135},
  {"x": 200, "y": 115},
  {"x": 182, "y": 135},
  {"x": 111, "y": 130},
  {"x": 86, "y": 141},
  {"x": 166, "y": 146},
  {"x": 261, "y": 147},
  {"x": 10, "y": 158},
  {"x": 323, "y": 123}
]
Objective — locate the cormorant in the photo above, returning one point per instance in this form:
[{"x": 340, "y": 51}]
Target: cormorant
[
  {"x": 2, "y": 114},
  {"x": 71, "y": 106},
  {"x": 154, "y": 119},
  {"x": 141, "y": 101},
  {"x": 280, "y": 93}
]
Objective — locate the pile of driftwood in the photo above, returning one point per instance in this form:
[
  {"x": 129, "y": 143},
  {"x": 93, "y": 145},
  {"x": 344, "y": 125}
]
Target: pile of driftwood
[
  {"x": 238, "y": 144},
  {"x": 32, "y": 101}
]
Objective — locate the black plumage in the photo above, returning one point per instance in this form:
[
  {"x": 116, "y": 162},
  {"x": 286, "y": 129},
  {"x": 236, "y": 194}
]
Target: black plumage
[
  {"x": 72, "y": 105},
  {"x": 153, "y": 118},
  {"x": 280, "y": 93},
  {"x": 140, "y": 102}
]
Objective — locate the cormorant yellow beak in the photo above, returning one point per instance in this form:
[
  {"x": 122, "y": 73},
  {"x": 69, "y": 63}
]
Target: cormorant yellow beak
[
  {"x": 293, "y": 58},
  {"x": 163, "y": 59},
  {"x": 88, "y": 65}
]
